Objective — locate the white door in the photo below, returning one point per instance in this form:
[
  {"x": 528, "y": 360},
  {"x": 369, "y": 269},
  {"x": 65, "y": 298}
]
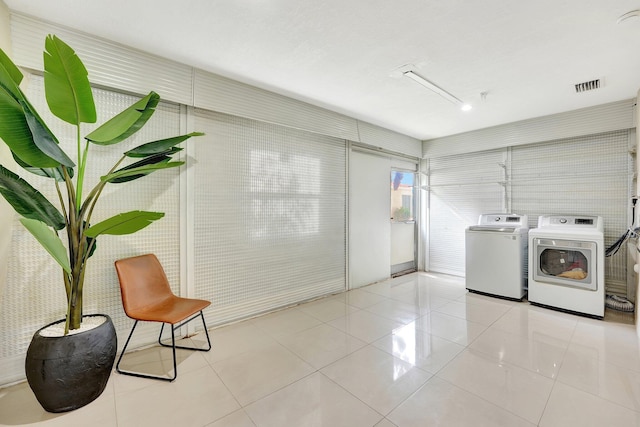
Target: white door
[{"x": 369, "y": 227}]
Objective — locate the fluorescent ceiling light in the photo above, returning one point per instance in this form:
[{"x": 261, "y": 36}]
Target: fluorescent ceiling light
[{"x": 437, "y": 89}]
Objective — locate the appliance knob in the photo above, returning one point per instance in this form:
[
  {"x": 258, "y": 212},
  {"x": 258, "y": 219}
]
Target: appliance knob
[
  {"x": 496, "y": 219},
  {"x": 563, "y": 220}
]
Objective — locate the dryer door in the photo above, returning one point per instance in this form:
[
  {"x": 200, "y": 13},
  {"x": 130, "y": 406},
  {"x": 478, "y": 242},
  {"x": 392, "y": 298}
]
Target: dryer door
[{"x": 565, "y": 262}]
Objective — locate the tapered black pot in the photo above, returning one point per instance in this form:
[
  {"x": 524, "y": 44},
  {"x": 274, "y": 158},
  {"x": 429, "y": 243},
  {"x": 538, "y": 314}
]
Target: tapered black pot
[{"x": 68, "y": 372}]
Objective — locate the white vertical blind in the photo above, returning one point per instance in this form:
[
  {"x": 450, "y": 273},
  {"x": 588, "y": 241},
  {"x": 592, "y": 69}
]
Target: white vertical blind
[
  {"x": 460, "y": 189},
  {"x": 588, "y": 175},
  {"x": 269, "y": 215},
  {"x": 34, "y": 291}
]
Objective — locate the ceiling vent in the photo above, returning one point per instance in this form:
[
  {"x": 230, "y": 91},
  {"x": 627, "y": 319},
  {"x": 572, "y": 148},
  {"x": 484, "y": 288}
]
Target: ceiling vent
[{"x": 587, "y": 86}]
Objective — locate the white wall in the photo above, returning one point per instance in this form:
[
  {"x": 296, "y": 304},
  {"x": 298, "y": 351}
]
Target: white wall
[
  {"x": 586, "y": 121},
  {"x": 6, "y": 212}
]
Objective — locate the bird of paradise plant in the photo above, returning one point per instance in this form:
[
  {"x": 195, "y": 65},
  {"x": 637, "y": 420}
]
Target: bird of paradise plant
[{"x": 36, "y": 149}]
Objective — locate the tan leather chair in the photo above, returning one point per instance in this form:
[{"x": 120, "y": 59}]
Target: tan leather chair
[{"x": 147, "y": 296}]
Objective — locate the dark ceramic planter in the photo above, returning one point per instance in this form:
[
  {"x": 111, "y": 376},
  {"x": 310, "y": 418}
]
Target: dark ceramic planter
[{"x": 66, "y": 373}]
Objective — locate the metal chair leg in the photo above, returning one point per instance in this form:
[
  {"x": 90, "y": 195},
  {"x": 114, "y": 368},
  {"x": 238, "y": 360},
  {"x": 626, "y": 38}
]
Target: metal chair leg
[
  {"x": 176, "y": 327},
  {"x": 173, "y": 347}
]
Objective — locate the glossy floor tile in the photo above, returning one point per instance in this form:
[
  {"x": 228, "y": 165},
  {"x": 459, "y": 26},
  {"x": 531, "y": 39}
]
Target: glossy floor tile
[
  {"x": 482, "y": 312},
  {"x": 440, "y": 403},
  {"x": 449, "y": 327},
  {"x": 366, "y": 326},
  {"x": 313, "y": 398},
  {"x": 202, "y": 397},
  {"x": 541, "y": 354},
  {"x": 606, "y": 380},
  {"x": 568, "y": 406},
  {"x": 255, "y": 374},
  {"x": 377, "y": 378},
  {"x": 519, "y": 391},
  {"x": 428, "y": 352},
  {"x": 322, "y": 345},
  {"x": 417, "y": 350}
]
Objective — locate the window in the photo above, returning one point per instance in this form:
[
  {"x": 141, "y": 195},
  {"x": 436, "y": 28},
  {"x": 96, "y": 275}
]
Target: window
[{"x": 402, "y": 196}]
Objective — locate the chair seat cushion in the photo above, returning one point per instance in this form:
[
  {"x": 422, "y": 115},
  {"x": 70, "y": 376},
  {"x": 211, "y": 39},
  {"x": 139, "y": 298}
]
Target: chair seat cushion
[{"x": 172, "y": 310}]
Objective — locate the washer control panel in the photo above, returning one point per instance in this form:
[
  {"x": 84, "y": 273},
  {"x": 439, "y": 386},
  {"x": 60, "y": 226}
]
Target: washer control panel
[{"x": 503, "y": 219}]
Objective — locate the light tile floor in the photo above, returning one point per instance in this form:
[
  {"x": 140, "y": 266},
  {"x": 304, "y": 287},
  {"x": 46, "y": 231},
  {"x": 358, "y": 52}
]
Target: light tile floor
[{"x": 418, "y": 350}]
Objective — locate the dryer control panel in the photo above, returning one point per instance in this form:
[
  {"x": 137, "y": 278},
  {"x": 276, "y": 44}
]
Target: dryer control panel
[{"x": 570, "y": 221}]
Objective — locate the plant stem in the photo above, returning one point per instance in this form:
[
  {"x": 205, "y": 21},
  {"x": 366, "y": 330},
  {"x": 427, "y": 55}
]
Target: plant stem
[
  {"x": 75, "y": 236},
  {"x": 82, "y": 162},
  {"x": 61, "y": 199},
  {"x": 92, "y": 198}
]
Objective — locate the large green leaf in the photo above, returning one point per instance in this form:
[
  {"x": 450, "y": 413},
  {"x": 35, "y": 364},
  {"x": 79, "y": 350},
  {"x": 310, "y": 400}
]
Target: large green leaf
[
  {"x": 49, "y": 240},
  {"x": 125, "y": 223},
  {"x": 160, "y": 146},
  {"x": 126, "y": 123},
  {"x": 44, "y": 139},
  {"x": 142, "y": 170},
  {"x": 55, "y": 173},
  {"x": 10, "y": 75},
  {"x": 151, "y": 160},
  {"x": 169, "y": 152},
  {"x": 66, "y": 82},
  {"x": 15, "y": 132},
  {"x": 21, "y": 127},
  {"x": 28, "y": 201}
]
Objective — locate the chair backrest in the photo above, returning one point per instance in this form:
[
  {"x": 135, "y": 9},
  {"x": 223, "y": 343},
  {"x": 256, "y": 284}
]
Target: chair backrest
[{"x": 143, "y": 284}]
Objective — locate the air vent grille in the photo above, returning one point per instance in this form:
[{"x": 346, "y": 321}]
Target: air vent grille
[{"x": 587, "y": 86}]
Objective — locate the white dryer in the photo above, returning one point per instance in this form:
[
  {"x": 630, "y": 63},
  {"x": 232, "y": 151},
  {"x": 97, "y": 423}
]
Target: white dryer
[
  {"x": 566, "y": 264},
  {"x": 496, "y": 255}
]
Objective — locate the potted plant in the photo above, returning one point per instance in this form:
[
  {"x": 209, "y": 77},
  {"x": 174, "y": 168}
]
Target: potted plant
[{"x": 36, "y": 149}]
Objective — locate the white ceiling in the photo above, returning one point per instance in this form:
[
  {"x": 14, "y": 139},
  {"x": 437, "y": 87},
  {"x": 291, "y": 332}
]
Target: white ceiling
[{"x": 340, "y": 54}]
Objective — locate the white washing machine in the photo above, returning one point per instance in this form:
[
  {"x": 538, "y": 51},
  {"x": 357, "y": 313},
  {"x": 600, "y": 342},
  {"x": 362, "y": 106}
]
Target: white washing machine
[
  {"x": 496, "y": 255},
  {"x": 566, "y": 264}
]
